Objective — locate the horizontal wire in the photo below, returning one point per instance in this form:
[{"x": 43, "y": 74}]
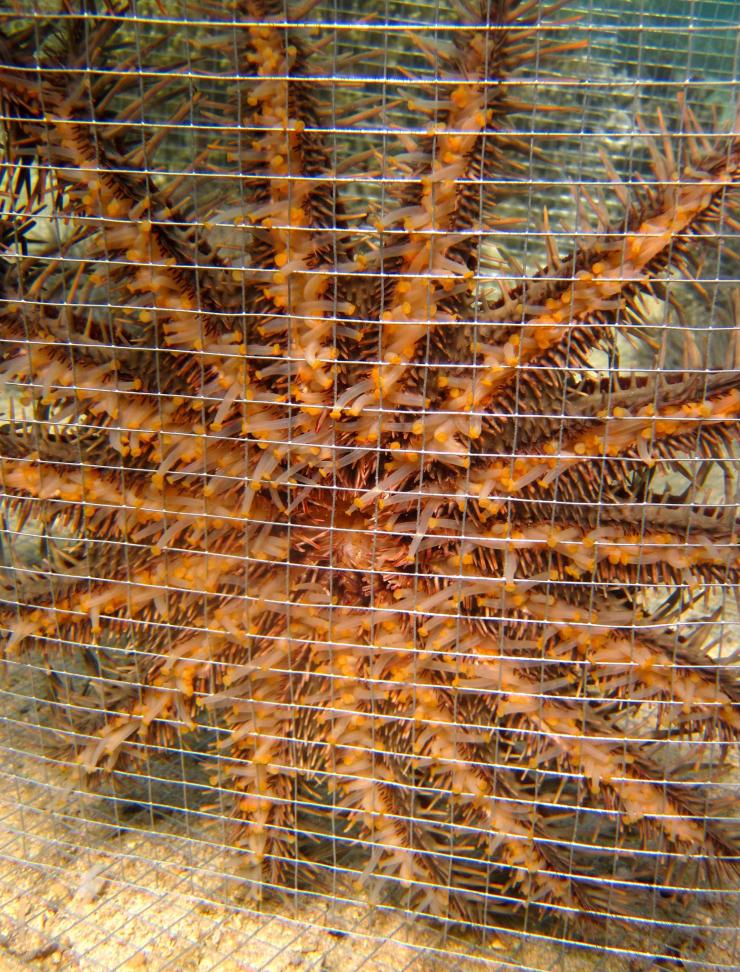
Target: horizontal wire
[
  {"x": 222, "y": 790},
  {"x": 359, "y": 26}
]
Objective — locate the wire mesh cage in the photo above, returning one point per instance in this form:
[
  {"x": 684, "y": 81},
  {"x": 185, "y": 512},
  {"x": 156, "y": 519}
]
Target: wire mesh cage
[{"x": 370, "y": 397}]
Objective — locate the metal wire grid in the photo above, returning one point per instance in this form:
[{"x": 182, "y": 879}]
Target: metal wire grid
[{"x": 628, "y": 65}]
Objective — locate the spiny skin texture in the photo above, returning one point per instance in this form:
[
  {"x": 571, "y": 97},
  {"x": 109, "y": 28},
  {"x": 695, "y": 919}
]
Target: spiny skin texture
[{"x": 313, "y": 480}]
